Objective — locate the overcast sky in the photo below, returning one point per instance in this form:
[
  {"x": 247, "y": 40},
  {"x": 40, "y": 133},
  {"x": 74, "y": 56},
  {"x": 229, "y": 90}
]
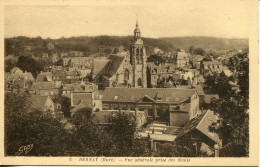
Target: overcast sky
[{"x": 169, "y": 19}]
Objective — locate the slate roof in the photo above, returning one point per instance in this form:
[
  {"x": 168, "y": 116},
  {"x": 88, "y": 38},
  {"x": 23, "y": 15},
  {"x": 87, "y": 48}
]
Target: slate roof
[
  {"x": 208, "y": 97},
  {"x": 85, "y": 98},
  {"x": 73, "y": 87},
  {"x": 100, "y": 66},
  {"x": 201, "y": 123},
  {"x": 82, "y": 104},
  {"x": 14, "y": 69},
  {"x": 58, "y": 72},
  {"x": 213, "y": 62},
  {"x": 38, "y": 102},
  {"x": 71, "y": 73},
  {"x": 25, "y": 75},
  {"x": 168, "y": 95},
  {"x": 182, "y": 55},
  {"x": 43, "y": 86},
  {"x": 114, "y": 64},
  {"x": 41, "y": 78},
  {"x": 199, "y": 90}
]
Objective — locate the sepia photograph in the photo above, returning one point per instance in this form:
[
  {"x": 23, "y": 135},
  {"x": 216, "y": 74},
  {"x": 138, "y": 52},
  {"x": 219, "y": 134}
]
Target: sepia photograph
[{"x": 114, "y": 82}]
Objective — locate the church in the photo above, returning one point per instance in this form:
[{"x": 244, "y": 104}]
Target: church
[{"x": 123, "y": 69}]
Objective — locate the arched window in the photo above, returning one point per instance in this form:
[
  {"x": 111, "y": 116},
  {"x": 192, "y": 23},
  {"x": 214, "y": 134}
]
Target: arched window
[
  {"x": 139, "y": 81},
  {"x": 126, "y": 75}
]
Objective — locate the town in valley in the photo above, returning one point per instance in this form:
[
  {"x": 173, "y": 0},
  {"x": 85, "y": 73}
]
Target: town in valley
[{"x": 126, "y": 96}]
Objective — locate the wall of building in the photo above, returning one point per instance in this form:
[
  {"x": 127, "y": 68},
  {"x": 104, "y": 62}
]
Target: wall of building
[{"x": 179, "y": 118}]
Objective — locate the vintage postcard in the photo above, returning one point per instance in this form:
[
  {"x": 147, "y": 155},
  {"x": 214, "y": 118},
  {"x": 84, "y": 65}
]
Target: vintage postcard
[{"x": 117, "y": 82}]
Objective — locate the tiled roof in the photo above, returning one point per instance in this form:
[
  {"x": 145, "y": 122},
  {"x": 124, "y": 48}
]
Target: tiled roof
[
  {"x": 208, "y": 97},
  {"x": 43, "y": 86},
  {"x": 201, "y": 123},
  {"x": 169, "y": 95}
]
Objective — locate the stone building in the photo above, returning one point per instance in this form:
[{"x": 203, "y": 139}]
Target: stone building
[
  {"x": 171, "y": 105},
  {"x": 123, "y": 69},
  {"x": 138, "y": 60}
]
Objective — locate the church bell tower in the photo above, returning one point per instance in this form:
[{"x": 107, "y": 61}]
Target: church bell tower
[{"x": 138, "y": 60}]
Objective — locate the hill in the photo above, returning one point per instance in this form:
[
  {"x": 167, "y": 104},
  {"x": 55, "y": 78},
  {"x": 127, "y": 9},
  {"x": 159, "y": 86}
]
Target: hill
[
  {"x": 24, "y": 46},
  {"x": 207, "y": 43}
]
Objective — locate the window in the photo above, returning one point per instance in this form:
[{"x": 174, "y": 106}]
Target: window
[
  {"x": 51, "y": 92},
  {"x": 46, "y": 93},
  {"x": 126, "y": 75},
  {"x": 116, "y": 98},
  {"x": 139, "y": 82}
]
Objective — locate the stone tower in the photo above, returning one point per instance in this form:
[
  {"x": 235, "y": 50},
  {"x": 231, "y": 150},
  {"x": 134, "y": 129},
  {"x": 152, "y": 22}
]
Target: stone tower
[{"x": 138, "y": 60}]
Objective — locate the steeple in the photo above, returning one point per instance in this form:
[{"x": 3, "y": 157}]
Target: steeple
[{"x": 137, "y": 33}]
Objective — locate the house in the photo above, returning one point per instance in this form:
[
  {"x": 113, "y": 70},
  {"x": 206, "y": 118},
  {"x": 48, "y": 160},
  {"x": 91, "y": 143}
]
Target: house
[
  {"x": 72, "y": 76},
  {"x": 41, "y": 78},
  {"x": 45, "y": 75},
  {"x": 16, "y": 70},
  {"x": 196, "y": 133},
  {"x": 58, "y": 77},
  {"x": 45, "y": 56},
  {"x": 158, "y": 72},
  {"x": 67, "y": 89},
  {"x": 44, "y": 89},
  {"x": 78, "y": 62},
  {"x": 81, "y": 100},
  {"x": 24, "y": 75},
  {"x": 18, "y": 80},
  {"x": 55, "y": 57},
  {"x": 171, "y": 105},
  {"x": 196, "y": 60},
  {"x": 45, "y": 103},
  {"x": 209, "y": 67},
  {"x": 182, "y": 59}
]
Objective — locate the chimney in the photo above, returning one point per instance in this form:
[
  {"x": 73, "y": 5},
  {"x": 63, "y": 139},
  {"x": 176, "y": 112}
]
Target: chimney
[
  {"x": 135, "y": 114},
  {"x": 216, "y": 148},
  {"x": 119, "y": 109}
]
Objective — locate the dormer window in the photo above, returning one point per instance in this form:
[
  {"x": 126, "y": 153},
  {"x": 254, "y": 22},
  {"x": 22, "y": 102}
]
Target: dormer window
[
  {"x": 132, "y": 97},
  {"x": 159, "y": 96}
]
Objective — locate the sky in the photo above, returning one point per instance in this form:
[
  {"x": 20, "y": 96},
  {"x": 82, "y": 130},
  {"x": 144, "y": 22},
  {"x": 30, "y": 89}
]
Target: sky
[{"x": 156, "y": 19}]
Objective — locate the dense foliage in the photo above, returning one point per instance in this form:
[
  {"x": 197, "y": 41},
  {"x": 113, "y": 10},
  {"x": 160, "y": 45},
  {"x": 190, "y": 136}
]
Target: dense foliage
[{"x": 233, "y": 106}]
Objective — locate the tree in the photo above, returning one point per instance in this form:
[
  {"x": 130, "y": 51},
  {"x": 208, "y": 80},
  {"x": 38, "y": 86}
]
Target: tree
[
  {"x": 116, "y": 50},
  {"x": 199, "y": 51},
  {"x": 29, "y": 64},
  {"x": 107, "y": 51},
  {"x": 30, "y": 132},
  {"x": 156, "y": 59},
  {"x": 65, "y": 105},
  {"x": 232, "y": 107}
]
